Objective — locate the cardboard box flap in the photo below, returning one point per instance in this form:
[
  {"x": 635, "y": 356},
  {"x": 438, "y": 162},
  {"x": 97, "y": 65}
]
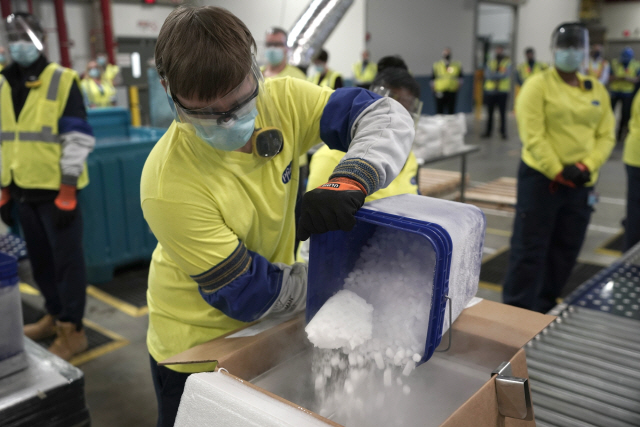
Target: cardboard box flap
[
  {"x": 505, "y": 324},
  {"x": 268, "y": 348}
]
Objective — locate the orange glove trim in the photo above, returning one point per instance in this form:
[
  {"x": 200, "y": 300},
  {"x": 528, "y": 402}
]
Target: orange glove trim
[
  {"x": 343, "y": 184},
  {"x": 66, "y": 200},
  {"x": 6, "y": 196}
]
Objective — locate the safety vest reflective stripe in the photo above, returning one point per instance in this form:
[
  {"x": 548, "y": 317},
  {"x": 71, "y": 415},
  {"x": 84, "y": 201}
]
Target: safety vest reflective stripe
[
  {"x": 52, "y": 93},
  {"x": 45, "y": 136},
  {"x": 504, "y": 84}
]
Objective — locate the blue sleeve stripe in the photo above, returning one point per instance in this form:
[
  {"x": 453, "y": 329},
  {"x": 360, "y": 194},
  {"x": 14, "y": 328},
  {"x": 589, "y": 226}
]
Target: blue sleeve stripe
[
  {"x": 250, "y": 295},
  {"x": 74, "y": 124},
  {"x": 225, "y": 272},
  {"x": 359, "y": 170},
  {"x": 342, "y": 110}
]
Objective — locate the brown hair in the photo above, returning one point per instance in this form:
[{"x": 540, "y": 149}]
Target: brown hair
[{"x": 203, "y": 51}]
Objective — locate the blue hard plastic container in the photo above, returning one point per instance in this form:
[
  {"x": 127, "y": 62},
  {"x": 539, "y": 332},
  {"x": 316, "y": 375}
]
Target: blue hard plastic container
[
  {"x": 115, "y": 232},
  {"x": 12, "y": 356},
  {"x": 333, "y": 256}
]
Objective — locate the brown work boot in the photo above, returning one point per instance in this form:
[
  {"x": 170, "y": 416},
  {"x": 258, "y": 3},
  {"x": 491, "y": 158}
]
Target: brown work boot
[
  {"x": 69, "y": 341},
  {"x": 43, "y": 328}
]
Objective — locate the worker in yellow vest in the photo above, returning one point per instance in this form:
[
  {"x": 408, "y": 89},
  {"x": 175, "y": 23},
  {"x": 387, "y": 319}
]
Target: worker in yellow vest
[
  {"x": 497, "y": 84},
  {"x": 323, "y": 75},
  {"x": 364, "y": 71},
  {"x": 277, "y": 55},
  {"x": 110, "y": 72},
  {"x": 631, "y": 159},
  {"x": 445, "y": 83},
  {"x": 3, "y": 58},
  {"x": 622, "y": 85},
  {"x": 598, "y": 66},
  {"x": 530, "y": 66},
  {"x": 45, "y": 142},
  {"x": 97, "y": 89}
]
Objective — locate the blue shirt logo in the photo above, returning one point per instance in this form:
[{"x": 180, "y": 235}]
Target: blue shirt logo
[
  {"x": 595, "y": 102},
  {"x": 286, "y": 175}
]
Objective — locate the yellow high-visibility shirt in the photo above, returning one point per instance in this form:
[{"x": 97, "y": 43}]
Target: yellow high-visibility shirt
[
  {"x": 325, "y": 160},
  {"x": 561, "y": 125},
  {"x": 199, "y": 202},
  {"x": 366, "y": 74},
  {"x": 619, "y": 70},
  {"x": 98, "y": 95},
  {"x": 447, "y": 77},
  {"x": 631, "y": 154},
  {"x": 525, "y": 70},
  {"x": 288, "y": 70},
  {"x": 329, "y": 79}
]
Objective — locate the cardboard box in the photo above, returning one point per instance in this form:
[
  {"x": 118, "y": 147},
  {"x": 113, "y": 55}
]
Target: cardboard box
[{"x": 484, "y": 336}]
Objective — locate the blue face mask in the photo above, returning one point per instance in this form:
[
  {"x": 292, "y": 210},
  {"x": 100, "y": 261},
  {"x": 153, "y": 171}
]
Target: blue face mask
[
  {"x": 274, "y": 55},
  {"x": 319, "y": 69},
  {"x": 94, "y": 73},
  {"x": 228, "y": 138},
  {"x": 102, "y": 61},
  {"x": 569, "y": 60},
  {"x": 2, "y": 58},
  {"x": 24, "y": 53}
]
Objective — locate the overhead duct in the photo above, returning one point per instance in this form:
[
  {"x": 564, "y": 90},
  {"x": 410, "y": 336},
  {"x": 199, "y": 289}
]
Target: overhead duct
[{"x": 313, "y": 28}]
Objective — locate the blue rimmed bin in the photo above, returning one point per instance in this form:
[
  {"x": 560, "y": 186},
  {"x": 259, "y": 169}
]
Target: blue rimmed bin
[
  {"x": 453, "y": 233},
  {"x": 115, "y": 232}
]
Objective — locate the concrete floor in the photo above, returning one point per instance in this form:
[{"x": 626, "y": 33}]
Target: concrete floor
[{"x": 119, "y": 390}]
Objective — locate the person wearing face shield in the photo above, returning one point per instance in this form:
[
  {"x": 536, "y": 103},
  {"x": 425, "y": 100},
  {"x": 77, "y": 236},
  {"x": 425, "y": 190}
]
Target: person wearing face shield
[
  {"x": 218, "y": 190},
  {"x": 625, "y": 74},
  {"x": 45, "y": 142},
  {"x": 398, "y": 84},
  {"x": 445, "y": 83},
  {"x": 97, "y": 89},
  {"x": 598, "y": 66},
  {"x": 497, "y": 85},
  {"x": 277, "y": 55},
  {"x": 324, "y": 76},
  {"x": 567, "y": 130}
]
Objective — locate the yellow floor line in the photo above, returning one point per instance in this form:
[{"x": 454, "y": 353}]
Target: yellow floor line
[
  {"x": 117, "y": 303},
  {"x": 498, "y": 232},
  {"x": 25, "y": 288},
  {"x": 118, "y": 342},
  {"x": 602, "y": 249}
]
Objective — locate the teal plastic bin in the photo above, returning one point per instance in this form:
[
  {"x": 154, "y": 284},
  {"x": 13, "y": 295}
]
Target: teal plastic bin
[{"x": 115, "y": 232}]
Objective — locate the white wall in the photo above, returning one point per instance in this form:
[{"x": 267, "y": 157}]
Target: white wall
[
  {"x": 418, "y": 30},
  {"x": 138, "y": 20},
  {"x": 536, "y": 21},
  {"x": 619, "y": 17}
]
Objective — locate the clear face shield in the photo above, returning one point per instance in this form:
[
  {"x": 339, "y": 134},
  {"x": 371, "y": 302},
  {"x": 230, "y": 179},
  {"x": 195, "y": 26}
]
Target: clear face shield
[
  {"x": 570, "y": 48},
  {"x": 26, "y": 40},
  {"x": 245, "y": 113},
  {"x": 404, "y": 97}
]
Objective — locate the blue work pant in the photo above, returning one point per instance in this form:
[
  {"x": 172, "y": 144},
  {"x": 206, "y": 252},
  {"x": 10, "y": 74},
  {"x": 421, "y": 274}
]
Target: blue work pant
[
  {"x": 632, "y": 225},
  {"x": 57, "y": 260},
  {"x": 499, "y": 99},
  {"x": 549, "y": 228},
  {"x": 169, "y": 386},
  {"x": 626, "y": 99}
]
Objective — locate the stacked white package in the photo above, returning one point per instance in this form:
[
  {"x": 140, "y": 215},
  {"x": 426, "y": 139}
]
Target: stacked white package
[{"x": 215, "y": 399}]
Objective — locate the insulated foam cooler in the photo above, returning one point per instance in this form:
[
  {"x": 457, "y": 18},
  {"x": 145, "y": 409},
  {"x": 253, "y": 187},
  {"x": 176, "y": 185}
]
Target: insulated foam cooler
[
  {"x": 450, "y": 232},
  {"x": 217, "y": 399}
]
